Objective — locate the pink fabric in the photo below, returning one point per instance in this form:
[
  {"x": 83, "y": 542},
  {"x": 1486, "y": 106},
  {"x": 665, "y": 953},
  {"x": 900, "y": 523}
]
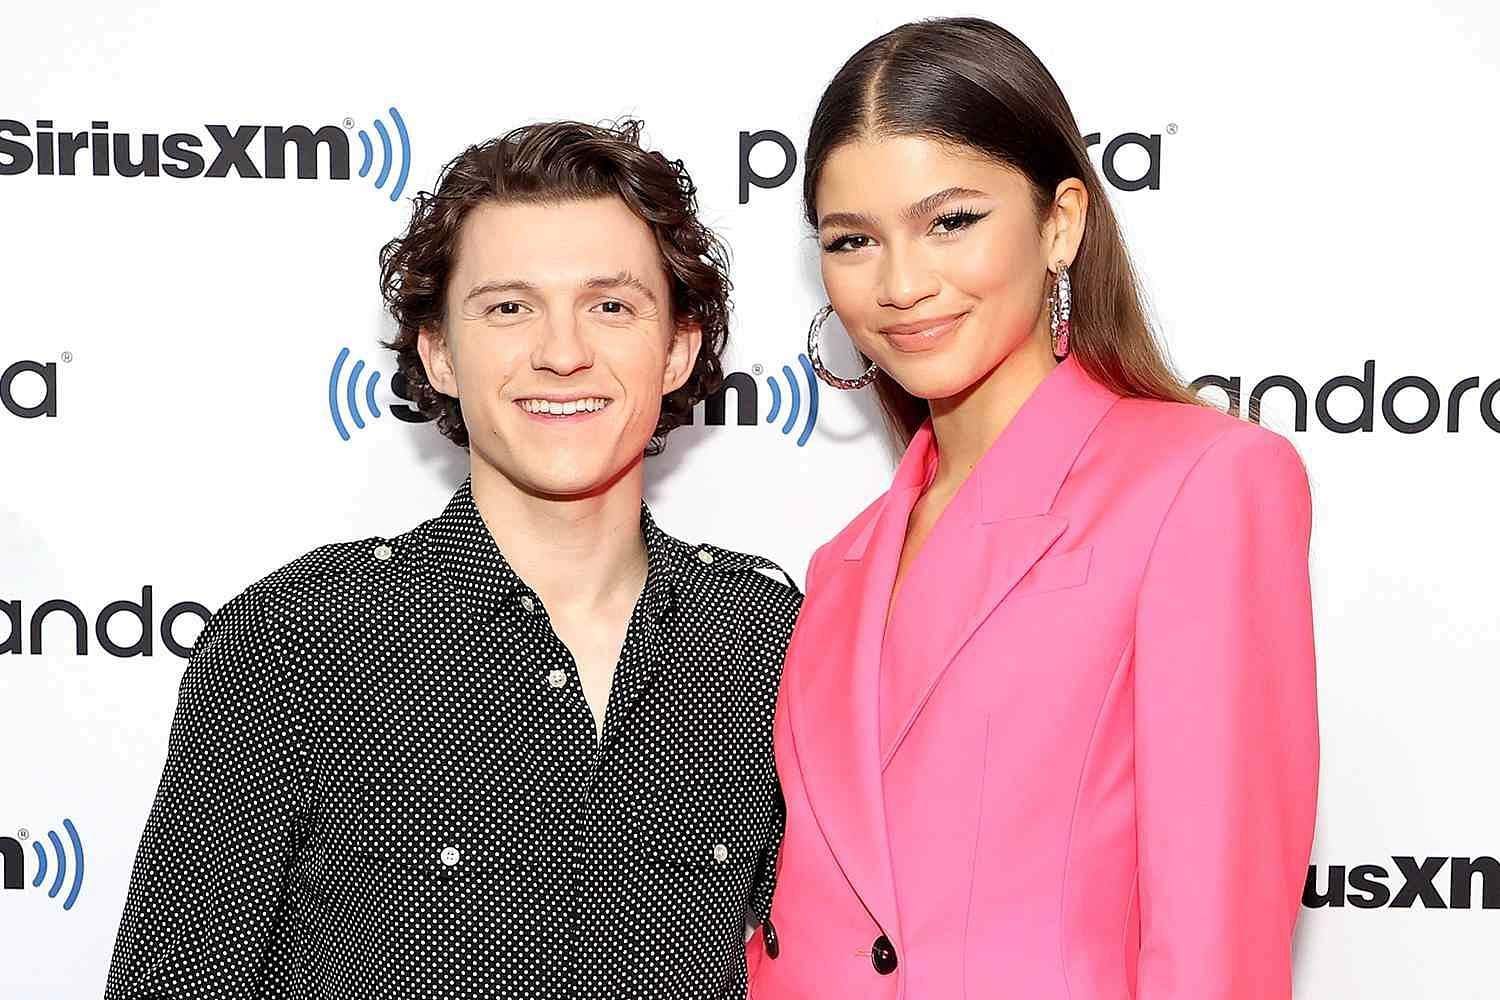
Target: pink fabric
[{"x": 1094, "y": 775}]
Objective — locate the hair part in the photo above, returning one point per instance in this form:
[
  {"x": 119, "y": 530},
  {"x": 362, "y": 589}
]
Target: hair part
[
  {"x": 969, "y": 82},
  {"x": 548, "y": 163}
]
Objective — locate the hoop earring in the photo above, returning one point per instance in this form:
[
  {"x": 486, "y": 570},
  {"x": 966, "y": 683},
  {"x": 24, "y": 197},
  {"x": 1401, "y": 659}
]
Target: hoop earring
[
  {"x": 813, "y": 334},
  {"x": 1061, "y": 311}
]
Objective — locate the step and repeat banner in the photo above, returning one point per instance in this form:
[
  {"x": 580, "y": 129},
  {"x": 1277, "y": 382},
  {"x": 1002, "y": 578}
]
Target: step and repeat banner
[{"x": 192, "y": 198}]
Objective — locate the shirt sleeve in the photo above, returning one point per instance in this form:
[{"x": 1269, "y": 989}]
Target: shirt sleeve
[
  {"x": 767, "y": 866},
  {"x": 210, "y": 875},
  {"x": 1226, "y": 727},
  {"x": 765, "y": 871}
]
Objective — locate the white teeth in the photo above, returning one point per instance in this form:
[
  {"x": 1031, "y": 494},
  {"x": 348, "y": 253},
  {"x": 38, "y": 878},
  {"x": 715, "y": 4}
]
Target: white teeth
[{"x": 591, "y": 404}]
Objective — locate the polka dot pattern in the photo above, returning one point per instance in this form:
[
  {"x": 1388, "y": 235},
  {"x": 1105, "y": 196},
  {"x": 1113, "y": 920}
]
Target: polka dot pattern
[{"x": 383, "y": 780}]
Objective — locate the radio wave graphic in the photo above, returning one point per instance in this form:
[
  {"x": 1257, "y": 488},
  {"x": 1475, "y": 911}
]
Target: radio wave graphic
[
  {"x": 349, "y": 396},
  {"x": 60, "y": 876},
  {"x": 387, "y": 154},
  {"x": 794, "y": 390}
]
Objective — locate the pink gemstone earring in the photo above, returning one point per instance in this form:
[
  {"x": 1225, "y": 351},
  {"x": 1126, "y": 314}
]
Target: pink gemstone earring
[{"x": 1061, "y": 302}]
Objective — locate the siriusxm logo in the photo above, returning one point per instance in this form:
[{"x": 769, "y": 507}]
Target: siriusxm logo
[
  {"x": 352, "y": 401},
  {"x": 346, "y": 392},
  {"x": 795, "y": 410},
  {"x": 250, "y": 152},
  {"x": 1416, "y": 880},
  {"x": 1139, "y": 152},
  {"x": 62, "y": 861}
]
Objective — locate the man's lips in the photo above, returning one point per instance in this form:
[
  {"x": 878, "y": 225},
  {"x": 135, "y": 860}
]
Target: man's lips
[{"x": 563, "y": 406}]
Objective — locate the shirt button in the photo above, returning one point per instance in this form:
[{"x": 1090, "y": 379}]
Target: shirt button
[
  {"x": 705, "y": 556},
  {"x": 721, "y": 853},
  {"x": 527, "y": 602},
  {"x": 557, "y": 678},
  {"x": 448, "y": 856},
  {"x": 382, "y": 552}
]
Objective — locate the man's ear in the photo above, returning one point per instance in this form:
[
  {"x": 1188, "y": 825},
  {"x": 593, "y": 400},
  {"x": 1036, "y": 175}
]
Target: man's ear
[
  {"x": 438, "y": 360},
  {"x": 682, "y": 356}
]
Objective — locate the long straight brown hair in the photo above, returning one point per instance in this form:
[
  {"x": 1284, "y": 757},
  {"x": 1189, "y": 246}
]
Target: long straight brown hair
[{"x": 971, "y": 82}]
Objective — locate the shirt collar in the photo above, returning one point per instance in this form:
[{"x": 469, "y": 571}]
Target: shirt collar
[{"x": 461, "y": 545}]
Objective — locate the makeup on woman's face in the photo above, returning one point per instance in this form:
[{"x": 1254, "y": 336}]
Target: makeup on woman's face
[{"x": 932, "y": 256}]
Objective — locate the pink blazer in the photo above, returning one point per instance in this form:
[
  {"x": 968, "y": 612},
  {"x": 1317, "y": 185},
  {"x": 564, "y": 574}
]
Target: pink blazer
[{"x": 1099, "y": 774}]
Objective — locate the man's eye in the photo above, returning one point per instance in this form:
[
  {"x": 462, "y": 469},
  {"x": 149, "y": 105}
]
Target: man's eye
[
  {"x": 506, "y": 308},
  {"x": 613, "y": 307}
]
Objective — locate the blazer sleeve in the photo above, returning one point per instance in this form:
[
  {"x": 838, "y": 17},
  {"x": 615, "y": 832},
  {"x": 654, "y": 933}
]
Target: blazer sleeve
[
  {"x": 206, "y": 891},
  {"x": 1226, "y": 726}
]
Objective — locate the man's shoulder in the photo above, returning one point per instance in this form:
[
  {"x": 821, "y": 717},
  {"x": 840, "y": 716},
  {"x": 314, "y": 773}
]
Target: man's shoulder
[
  {"x": 710, "y": 570},
  {"x": 352, "y": 564},
  {"x": 337, "y": 577}
]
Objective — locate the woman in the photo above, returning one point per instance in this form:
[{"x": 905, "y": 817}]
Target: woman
[{"x": 1048, "y": 724}]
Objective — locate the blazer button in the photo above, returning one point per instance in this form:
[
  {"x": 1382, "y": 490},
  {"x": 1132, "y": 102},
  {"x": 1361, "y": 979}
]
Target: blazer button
[
  {"x": 773, "y": 943},
  {"x": 883, "y": 956}
]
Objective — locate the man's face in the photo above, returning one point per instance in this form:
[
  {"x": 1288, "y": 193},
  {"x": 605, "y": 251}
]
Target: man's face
[{"x": 559, "y": 342}]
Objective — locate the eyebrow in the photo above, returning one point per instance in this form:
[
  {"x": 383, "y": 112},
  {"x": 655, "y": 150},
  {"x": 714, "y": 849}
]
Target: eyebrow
[
  {"x": 912, "y": 212},
  {"x": 487, "y": 287},
  {"x": 620, "y": 279}
]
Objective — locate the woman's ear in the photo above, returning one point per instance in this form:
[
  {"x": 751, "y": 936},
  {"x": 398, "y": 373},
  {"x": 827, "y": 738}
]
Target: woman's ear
[
  {"x": 432, "y": 345},
  {"x": 1062, "y": 234}
]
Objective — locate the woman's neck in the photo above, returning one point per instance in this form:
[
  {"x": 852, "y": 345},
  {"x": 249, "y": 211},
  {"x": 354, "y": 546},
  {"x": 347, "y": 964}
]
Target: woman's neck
[{"x": 966, "y": 425}]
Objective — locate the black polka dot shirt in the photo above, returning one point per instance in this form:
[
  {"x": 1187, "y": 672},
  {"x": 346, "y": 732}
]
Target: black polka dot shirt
[{"x": 383, "y": 780}]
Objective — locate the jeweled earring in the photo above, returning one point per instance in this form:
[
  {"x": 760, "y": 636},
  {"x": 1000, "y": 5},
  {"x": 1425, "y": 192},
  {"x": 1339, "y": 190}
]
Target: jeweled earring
[
  {"x": 1061, "y": 302},
  {"x": 814, "y": 332}
]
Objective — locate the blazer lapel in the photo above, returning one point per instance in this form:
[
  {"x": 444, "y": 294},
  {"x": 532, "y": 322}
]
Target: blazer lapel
[
  {"x": 987, "y": 561},
  {"x": 1003, "y": 522},
  {"x": 832, "y": 697}
]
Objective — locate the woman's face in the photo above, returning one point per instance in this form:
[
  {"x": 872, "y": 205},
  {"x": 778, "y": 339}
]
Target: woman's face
[{"x": 935, "y": 260}]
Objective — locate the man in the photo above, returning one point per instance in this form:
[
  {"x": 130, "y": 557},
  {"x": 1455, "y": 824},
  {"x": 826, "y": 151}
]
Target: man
[{"x": 524, "y": 749}]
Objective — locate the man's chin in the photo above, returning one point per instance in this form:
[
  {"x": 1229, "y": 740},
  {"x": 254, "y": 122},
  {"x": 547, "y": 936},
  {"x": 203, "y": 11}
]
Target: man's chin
[{"x": 576, "y": 483}]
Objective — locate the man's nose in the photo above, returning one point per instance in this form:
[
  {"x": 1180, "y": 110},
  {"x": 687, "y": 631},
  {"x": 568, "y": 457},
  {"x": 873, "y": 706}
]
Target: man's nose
[{"x": 561, "y": 347}]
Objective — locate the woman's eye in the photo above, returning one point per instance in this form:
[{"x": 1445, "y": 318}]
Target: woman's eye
[
  {"x": 850, "y": 242},
  {"x": 953, "y": 222}
]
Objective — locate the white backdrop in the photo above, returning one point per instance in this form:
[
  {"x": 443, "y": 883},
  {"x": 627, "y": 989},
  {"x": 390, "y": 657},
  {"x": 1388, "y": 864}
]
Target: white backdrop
[{"x": 1323, "y": 203}]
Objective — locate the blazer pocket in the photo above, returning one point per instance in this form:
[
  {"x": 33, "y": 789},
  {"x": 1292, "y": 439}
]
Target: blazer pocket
[{"x": 1056, "y": 572}]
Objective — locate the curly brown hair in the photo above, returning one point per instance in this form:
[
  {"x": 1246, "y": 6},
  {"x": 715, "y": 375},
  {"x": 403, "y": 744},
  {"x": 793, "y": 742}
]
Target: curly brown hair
[{"x": 552, "y": 162}]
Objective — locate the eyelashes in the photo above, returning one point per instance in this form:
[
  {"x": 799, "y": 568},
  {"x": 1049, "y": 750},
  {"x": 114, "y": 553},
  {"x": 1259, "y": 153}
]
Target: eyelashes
[
  {"x": 843, "y": 243},
  {"x": 958, "y": 219},
  {"x": 499, "y": 308},
  {"x": 946, "y": 224}
]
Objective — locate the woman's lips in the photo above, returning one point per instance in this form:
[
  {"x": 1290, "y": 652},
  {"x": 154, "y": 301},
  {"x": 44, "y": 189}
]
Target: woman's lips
[{"x": 913, "y": 338}]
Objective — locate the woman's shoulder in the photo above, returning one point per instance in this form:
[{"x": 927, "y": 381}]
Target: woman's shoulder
[
  {"x": 1174, "y": 431},
  {"x": 1202, "y": 451}
]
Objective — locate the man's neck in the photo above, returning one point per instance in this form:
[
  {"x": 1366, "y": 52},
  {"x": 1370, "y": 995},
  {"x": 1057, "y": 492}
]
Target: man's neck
[{"x": 577, "y": 552}]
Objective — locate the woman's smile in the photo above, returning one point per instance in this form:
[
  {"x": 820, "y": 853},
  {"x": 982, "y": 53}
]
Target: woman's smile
[{"x": 921, "y": 335}]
